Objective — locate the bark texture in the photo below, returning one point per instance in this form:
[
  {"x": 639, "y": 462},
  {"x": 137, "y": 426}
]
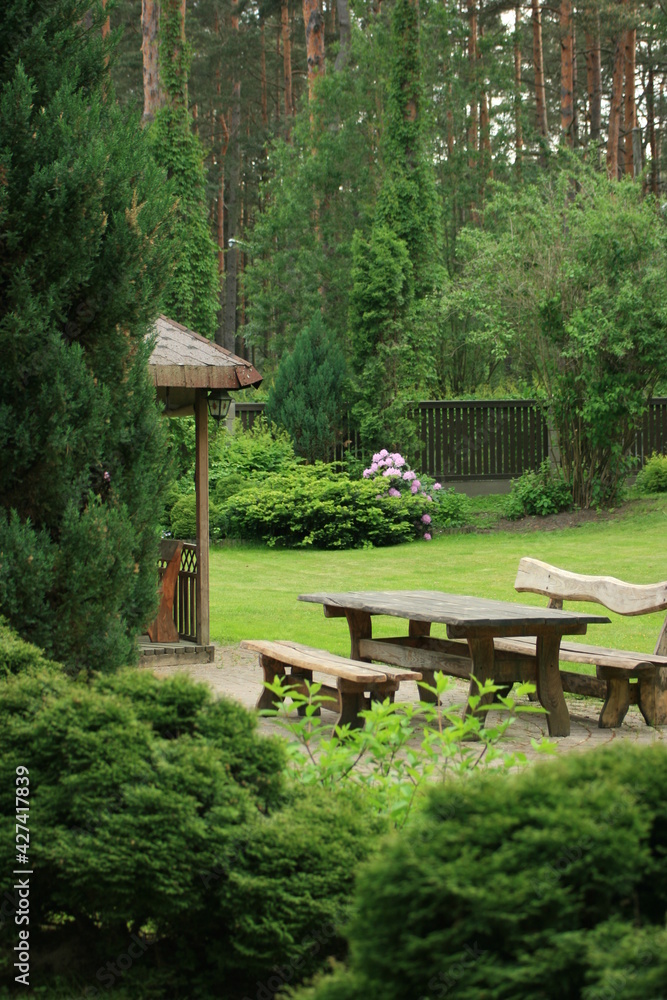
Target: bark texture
[{"x": 150, "y": 27}]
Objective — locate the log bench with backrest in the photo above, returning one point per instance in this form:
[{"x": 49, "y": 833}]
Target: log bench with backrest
[
  {"x": 623, "y": 677},
  {"x": 354, "y": 679}
]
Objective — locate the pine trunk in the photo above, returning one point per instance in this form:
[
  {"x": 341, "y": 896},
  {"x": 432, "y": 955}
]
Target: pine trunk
[
  {"x": 265, "y": 100},
  {"x": 150, "y": 28},
  {"x": 314, "y": 25},
  {"x": 344, "y": 35},
  {"x": 615, "y": 109},
  {"x": 630, "y": 115},
  {"x": 231, "y": 278},
  {"x": 538, "y": 65},
  {"x": 484, "y": 125},
  {"x": 518, "y": 130},
  {"x": 566, "y": 73},
  {"x": 594, "y": 83},
  {"x": 287, "y": 60},
  {"x": 650, "y": 115},
  {"x": 473, "y": 137}
]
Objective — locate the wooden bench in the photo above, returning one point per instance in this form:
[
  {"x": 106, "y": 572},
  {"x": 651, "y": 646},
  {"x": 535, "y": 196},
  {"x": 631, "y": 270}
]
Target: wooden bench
[
  {"x": 355, "y": 679},
  {"x": 623, "y": 677}
]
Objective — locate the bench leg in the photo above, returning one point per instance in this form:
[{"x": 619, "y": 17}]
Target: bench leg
[
  {"x": 382, "y": 691},
  {"x": 301, "y": 674},
  {"x": 272, "y": 669},
  {"x": 652, "y": 698},
  {"x": 352, "y": 701},
  {"x": 616, "y": 703}
]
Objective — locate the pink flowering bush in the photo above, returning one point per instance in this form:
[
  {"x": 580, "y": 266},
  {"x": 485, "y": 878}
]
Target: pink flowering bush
[{"x": 438, "y": 507}]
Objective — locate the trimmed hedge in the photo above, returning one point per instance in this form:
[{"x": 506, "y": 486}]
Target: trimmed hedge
[
  {"x": 550, "y": 884},
  {"x": 164, "y": 825},
  {"x": 315, "y": 506},
  {"x": 17, "y": 655}
]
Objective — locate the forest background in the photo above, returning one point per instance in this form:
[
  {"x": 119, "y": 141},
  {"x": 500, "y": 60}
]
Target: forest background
[{"x": 427, "y": 189}]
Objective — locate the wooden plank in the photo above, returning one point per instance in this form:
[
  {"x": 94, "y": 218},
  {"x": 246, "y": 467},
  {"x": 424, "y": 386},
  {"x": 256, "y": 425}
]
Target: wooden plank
[
  {"x": 575, "y": 652},
  {"x": 296, "y": 655},
  {"x": 538, "y": 577},
  {"x": 415, "y": 659}
]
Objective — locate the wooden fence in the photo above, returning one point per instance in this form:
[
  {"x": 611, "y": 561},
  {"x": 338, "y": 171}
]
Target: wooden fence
[{"x": 488, "y": 439}]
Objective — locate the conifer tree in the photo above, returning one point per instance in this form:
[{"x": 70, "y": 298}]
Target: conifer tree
[
  {"x": 307, "y": 396},
  {"x": 83, "y": 260},
  {"x": 192, "y": 295}
]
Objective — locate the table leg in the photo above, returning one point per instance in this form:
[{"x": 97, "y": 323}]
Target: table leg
[
  {"x": 415, "y": 630},
  {"x": 482, "y": 656},
  {"x": 549, "y": 685},
  {"x": 360, "y": 626}
]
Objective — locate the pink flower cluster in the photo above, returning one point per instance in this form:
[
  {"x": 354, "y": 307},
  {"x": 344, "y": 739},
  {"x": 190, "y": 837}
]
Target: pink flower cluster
[{"x": 392, "y": 466}]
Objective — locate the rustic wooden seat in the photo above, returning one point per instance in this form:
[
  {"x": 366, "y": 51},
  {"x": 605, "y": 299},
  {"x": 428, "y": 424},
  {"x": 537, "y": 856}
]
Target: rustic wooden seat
[
  {"x": 615, "y": 668},
  {"x": 163, "y": 629},
  {"x": 296, "y": 662}
]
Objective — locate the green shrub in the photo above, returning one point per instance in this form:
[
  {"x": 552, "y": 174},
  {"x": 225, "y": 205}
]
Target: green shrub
[
  {"x": 263, "y": 448},
  {"x": 542, "y": 492},
  {"x": 316, "y": 506},
  {"x": 226, "y": 486},
  {"x": 17, "y": 656},
  {"x": 653, "y": 477},
  {"x": 164, "y": 819},
  {"x": 183, "y": 518},
  {"x": 539, "y": 886}
]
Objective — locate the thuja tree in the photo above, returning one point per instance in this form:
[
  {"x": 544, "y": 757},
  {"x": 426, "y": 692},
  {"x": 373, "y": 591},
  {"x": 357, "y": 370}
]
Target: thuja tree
[
  {"x": 192, "y": 294},
  {"x": 396, "y": 270},
  {"x": 570, "y": 278},
  {"x": 307, "y": 396},
  {"x": 82, "y": 265}
]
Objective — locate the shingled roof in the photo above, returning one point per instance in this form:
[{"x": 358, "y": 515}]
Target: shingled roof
[{"x": 184, "y": 359}]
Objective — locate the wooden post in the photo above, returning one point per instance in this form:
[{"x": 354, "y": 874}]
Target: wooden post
[{"x": 201, "y": 492}]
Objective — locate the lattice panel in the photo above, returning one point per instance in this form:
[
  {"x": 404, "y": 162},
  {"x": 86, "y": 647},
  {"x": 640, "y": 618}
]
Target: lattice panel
[{"x": 185, "y": 605}]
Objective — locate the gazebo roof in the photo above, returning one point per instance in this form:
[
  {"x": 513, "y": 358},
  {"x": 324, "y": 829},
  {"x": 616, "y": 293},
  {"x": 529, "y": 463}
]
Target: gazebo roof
[{"x": 183, "y": 359}]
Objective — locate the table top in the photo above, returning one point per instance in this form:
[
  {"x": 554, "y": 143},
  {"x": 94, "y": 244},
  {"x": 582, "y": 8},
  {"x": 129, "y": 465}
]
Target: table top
[{"x": 457, "y": 610}]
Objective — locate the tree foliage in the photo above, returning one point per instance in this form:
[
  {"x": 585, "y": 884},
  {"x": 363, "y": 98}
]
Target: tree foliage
[
  {"x": 571, "y": 277},
  {"x": 83, "y": 260},
  {"x": 192, "y": 293}
]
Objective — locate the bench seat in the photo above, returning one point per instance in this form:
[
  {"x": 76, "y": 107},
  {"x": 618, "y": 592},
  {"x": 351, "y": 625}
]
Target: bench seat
[{"x": 354, "y": 679}]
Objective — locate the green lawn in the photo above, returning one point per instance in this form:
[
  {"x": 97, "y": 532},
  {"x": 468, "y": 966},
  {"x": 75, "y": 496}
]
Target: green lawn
[{"x": 254, "y": 589}]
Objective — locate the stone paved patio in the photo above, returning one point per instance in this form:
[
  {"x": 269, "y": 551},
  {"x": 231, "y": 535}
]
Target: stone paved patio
[{"x": 235, "y": 673}]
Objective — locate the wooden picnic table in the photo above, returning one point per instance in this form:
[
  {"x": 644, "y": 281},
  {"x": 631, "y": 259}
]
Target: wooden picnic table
[{"x": 477, "y": 621}]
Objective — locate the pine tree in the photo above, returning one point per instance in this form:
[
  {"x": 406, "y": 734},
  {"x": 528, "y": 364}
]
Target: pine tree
[{"x": 83, "y": 259}]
